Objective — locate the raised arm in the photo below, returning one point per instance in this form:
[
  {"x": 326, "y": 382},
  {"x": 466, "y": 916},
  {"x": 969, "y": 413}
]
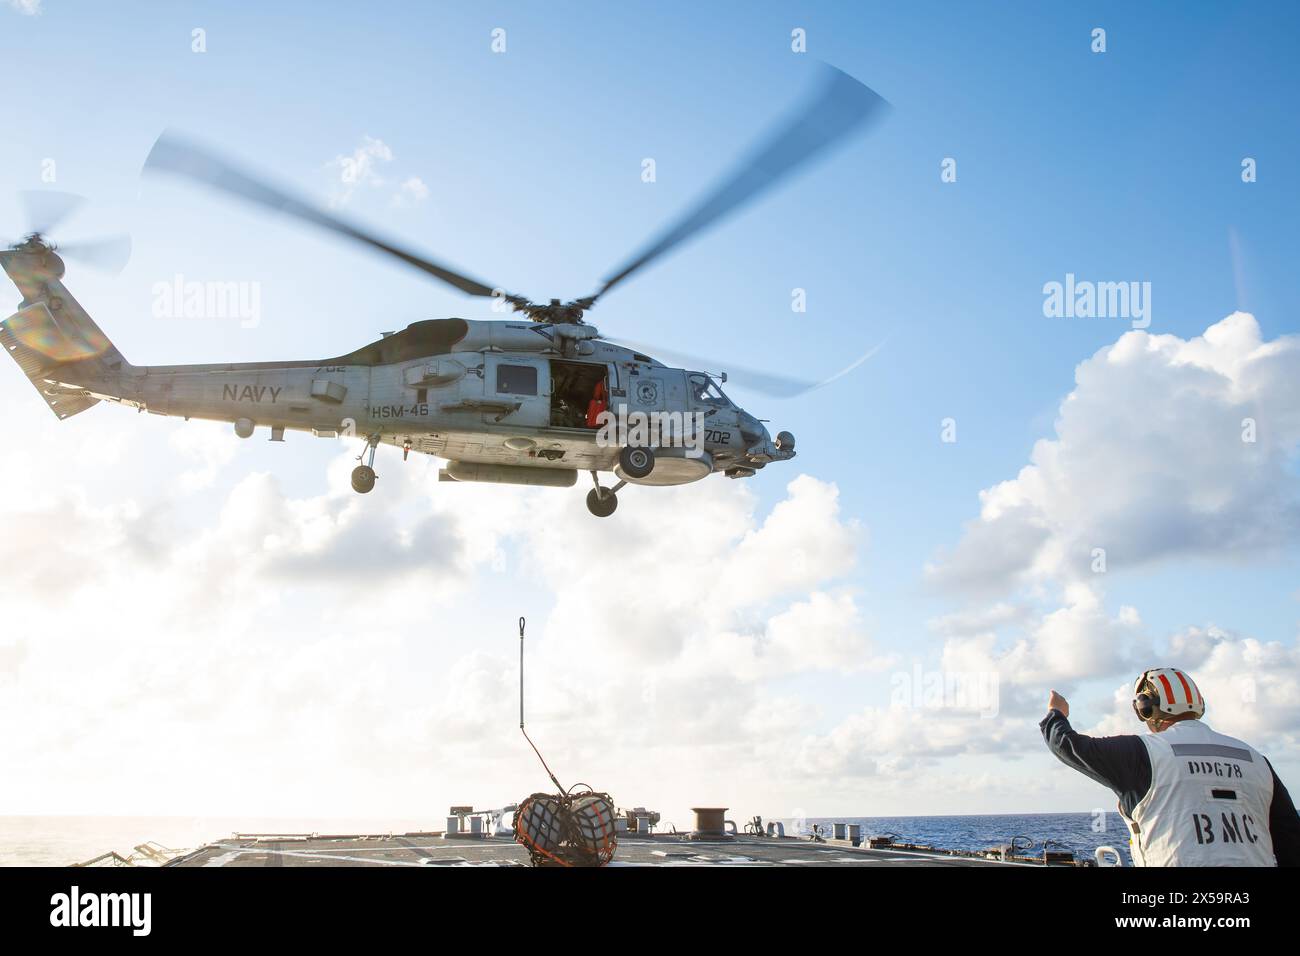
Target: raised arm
[{"x": 1120, "y": 763}]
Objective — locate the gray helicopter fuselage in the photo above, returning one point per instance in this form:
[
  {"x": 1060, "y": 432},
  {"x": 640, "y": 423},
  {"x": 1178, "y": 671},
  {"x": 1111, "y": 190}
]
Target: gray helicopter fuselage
[
  {"x": 502, "y": 401},
  {"x": 487, "y": 398}
]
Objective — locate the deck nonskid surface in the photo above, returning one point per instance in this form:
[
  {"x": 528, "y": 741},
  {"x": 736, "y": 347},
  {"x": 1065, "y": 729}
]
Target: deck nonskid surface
[{"x": 423, "y": 850}]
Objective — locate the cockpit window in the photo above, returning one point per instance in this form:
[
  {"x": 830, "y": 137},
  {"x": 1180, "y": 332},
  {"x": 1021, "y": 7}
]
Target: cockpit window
[{"x": 705, "y": 390}]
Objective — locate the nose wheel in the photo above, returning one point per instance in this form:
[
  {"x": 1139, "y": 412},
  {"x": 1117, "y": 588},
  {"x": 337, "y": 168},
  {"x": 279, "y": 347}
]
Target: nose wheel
[{"x": 601, "y": 501}]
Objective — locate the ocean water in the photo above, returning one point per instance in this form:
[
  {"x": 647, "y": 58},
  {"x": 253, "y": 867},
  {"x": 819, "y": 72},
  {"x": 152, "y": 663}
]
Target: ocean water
[
  {"x": 1080, "y": 832},
  {"x": 61, "y": 840}
]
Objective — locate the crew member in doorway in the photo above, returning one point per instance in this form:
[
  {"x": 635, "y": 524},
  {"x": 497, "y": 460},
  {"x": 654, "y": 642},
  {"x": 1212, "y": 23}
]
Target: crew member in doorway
[
  {"x": 597, "y": 404},
  {"x": 1189, "y": 795}
]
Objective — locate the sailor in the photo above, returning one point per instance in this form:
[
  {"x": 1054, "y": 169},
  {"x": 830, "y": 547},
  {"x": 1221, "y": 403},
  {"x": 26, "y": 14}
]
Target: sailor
[
  {"x": 1190, "y": 796},
  {"x": 597, "y": 405}
]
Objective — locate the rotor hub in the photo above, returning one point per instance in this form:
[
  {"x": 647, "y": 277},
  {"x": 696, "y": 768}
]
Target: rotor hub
[
  {"x": 34, "y": 244},
  {"x": 554, "y": 312},
  {"x": 36, "y": 259}
]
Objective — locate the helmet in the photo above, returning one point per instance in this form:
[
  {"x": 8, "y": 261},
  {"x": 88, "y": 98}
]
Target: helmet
[{"x": 1166, "y": 692}]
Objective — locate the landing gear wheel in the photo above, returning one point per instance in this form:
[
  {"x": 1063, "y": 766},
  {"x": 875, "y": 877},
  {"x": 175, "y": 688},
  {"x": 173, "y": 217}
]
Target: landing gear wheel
[
  {"x": 601, "y": 502},
  {"x": 363, "y": 479},
  {"x": 636, "y": 462}
]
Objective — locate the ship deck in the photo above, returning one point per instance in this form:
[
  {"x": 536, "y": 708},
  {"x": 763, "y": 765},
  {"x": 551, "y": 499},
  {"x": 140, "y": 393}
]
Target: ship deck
[{"x": 433, "y": 849}]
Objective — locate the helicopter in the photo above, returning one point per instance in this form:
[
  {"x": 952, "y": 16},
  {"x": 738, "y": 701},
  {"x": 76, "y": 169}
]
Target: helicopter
[{"x": 527, "y": 401}]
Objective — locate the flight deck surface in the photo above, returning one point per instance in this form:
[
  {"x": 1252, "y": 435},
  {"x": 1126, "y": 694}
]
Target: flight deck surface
[{"x": 431, "y": 849}]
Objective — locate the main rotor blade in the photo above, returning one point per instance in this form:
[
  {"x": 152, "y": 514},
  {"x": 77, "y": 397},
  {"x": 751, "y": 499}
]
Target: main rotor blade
[
  {"x": 47, "y": 208},
  {"x": 109, "y": 255},
  {"x": 841, "y": 105},
  {"x": 754, "y": 380},
  {"x": 172, "y": 154}
]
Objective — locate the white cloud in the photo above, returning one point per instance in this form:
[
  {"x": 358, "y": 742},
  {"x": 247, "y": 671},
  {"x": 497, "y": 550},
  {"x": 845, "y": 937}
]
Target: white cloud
[
  {"x": 357, "y": 656},
  {"x": 895, "y": 742},
  {"x": 30, "y": 8},
  {"x": 1251, "y": 687},
  {"x": 980, "y": 620},
  {"x": 1149, "y": 464},
  {"x": 364, "y": 170},
  {"x": 1067, "y": 645},
  {"x": 209, "y": 446},
  {"x": 412, "y": 191},
  {"x": 358, "y": 169}
]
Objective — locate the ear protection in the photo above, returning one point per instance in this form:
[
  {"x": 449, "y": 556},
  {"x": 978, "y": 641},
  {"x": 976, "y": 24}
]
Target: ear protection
[{"x": 1144, "y": 704}]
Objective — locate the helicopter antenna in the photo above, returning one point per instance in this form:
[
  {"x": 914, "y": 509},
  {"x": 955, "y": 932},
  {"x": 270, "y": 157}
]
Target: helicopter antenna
[{"x": 521, "y": 711}]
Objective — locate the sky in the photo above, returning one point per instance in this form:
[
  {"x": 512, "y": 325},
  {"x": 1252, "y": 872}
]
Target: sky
[{"x": 999, "y": 502}]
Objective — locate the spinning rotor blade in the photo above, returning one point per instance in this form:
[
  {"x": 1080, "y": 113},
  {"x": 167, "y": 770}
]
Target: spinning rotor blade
[
  {"x": 109, "y": 255},
  {"x": 171, "y": 154},
  {"x": 47, "y": 208},
  {"x": 754, "y": 380},
  {"x": 839, "y": 107}
]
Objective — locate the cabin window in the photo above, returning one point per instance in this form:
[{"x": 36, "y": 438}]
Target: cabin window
[{"x": 516, "y": 379}]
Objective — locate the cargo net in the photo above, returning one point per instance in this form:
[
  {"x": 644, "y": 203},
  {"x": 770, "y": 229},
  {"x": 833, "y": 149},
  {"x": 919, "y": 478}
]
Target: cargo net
[{"x": 562, "y": 829}]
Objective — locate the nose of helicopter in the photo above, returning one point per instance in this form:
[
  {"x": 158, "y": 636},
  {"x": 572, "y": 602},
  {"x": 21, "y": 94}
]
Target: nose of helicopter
[{"x": 761, "y": 448}]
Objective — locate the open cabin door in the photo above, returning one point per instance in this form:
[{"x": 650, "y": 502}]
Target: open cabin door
[{"x": 579, "y": 391}]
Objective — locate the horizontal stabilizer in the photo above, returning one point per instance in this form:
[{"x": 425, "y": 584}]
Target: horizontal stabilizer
[{"x": 38, "y": 345}]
